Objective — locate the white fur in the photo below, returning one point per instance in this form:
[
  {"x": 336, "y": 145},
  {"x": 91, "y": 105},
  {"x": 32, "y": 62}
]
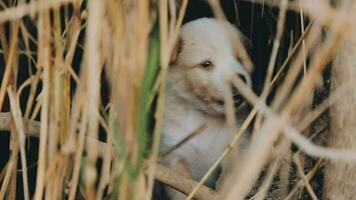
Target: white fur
[{"x": 191, "y": 96}]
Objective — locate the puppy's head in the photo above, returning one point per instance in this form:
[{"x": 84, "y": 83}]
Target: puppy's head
[{"x": 205, "y": 58}]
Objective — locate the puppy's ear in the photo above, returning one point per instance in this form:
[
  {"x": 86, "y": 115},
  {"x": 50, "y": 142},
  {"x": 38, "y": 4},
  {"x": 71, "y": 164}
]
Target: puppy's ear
[
  {"x": 243, "y": 54},
  {"x": 176, "y": 51}
]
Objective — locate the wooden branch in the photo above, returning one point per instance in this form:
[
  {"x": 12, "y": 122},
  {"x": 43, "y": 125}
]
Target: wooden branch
[
  {"x": 183, "y": 184},
  {"x": 32, "y": 127},
  {"x": 162, "y": 174}
]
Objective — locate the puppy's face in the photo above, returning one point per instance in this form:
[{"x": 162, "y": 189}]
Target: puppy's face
[{"x": 206, "y": 58}]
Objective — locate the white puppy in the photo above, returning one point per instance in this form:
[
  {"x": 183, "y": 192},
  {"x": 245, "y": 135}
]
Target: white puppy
[{"x": 204, "y": 60}]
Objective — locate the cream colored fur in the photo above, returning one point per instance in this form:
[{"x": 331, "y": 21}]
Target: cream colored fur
[{"x": 193, "y": 95}]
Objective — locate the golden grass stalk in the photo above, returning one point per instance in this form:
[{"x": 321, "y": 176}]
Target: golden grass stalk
[
  {"x": 44, "y": 56},
  {"x": 16, "y": 114},
  {"x": 92, "y": 93}
]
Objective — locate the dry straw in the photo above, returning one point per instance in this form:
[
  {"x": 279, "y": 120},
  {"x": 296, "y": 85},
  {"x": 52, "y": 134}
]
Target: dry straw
[{"x": 128, "y": 44}]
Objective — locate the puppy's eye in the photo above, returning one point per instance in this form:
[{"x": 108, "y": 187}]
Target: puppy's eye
[{"x": 207, "y": 64}]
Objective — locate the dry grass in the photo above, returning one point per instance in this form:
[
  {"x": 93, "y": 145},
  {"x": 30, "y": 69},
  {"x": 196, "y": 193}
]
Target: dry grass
[{"x": 128, "y": 43}]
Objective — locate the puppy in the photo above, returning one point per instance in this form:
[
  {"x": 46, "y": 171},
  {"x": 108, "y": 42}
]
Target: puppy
[{"x": 205, "y": 58}]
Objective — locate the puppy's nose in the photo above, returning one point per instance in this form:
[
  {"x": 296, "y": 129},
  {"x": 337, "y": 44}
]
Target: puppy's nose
[
  {"x": 242, "y": 77},
  {"x": 238, "y": 98},
  {"x": 234, "y": 91}
]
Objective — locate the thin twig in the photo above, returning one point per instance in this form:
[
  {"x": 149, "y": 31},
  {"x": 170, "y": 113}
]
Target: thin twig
[
  {"x": 25, "y": 9},
  {"x": 302, "y": 175},
  {"x": 309, "y": 176}
]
